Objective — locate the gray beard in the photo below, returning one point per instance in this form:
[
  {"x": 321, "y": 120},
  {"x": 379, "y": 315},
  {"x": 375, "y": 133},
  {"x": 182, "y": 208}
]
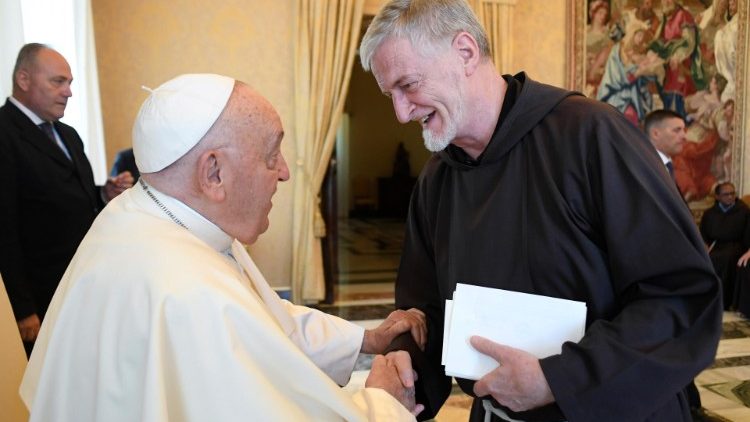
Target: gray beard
[{"x": 437, "y": 143}]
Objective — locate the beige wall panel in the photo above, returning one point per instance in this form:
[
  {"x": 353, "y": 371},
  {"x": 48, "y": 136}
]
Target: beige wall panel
[
  {"x": 539, "y": 40},
  {"x": 146, "y": 42}
]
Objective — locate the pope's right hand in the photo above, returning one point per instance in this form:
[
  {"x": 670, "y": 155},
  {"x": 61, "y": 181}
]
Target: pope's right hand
[{"x": 394, "y": 374}]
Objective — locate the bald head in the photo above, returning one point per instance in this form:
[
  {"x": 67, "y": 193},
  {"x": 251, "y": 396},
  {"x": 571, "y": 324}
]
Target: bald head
[
  {"x": 246, "y": 112},
  {"x": 41, "y": 81},
  {"x": 230, "y": 176}
]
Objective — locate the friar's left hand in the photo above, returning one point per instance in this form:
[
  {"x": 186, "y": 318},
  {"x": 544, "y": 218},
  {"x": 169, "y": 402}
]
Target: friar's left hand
[
  {"x": 412, "y": 320},
  {"x": 518, "y": 383}
]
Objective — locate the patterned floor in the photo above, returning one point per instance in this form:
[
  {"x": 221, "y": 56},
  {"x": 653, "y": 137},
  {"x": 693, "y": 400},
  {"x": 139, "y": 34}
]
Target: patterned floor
[
  {"x": 725, "y": 385},
  {"x": 369, "y": 250},
  {"x": 368, "y": 256}
]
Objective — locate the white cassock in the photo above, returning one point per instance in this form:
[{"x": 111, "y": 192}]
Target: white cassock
[{"x": 153, "y": 322}]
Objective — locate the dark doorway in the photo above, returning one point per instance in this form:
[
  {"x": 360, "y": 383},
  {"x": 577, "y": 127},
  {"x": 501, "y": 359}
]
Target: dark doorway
[{"x": 366, "y": 192}]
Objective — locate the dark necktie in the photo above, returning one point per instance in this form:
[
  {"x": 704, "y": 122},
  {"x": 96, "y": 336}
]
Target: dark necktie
[
  {"x": 49, "y": 131},
  {"x": 670, "y": 168},
  {"x": 47, "y": 128}
]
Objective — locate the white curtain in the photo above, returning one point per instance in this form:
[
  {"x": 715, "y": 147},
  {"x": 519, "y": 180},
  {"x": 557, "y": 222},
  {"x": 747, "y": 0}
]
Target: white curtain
[
  {"x": 497, "y": 18},
  {"x": 11, "y": 40},
  {"x": 89, "y": 125},
  {"x": 326, "y": 33},
  {"x": 67, "y": 26}
]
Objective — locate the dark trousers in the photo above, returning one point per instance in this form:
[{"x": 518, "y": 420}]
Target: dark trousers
[{"x": 693, "y": 396}]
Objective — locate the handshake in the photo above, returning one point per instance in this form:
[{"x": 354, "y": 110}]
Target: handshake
[
  {"x": 393, "y": 372},
  {"x": 518, "y": 384}
]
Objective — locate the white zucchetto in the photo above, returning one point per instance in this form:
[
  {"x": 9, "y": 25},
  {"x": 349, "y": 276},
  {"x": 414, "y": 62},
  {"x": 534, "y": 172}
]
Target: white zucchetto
[{"x": 176, "y": 116}]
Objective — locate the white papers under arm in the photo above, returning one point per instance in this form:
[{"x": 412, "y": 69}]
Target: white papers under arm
[
  {"x": 536, "y": 324},
  {"x": 446, "y": 328}
]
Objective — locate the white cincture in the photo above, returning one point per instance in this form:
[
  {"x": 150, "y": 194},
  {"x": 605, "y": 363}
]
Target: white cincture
[{"x": 489, "y": 410}]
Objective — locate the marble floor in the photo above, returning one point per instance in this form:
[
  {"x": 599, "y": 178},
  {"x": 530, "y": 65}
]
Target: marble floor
[{"x": 368, "y": 256}]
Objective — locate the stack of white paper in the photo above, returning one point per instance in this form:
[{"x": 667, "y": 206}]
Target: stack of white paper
[{"x": 536, "y": 324}]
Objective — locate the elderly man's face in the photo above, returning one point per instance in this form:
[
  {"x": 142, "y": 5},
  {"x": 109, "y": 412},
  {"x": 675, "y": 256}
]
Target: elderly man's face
[
  {"x": 727, "y": 194},
  {"x": 46, "y": 85},
  {"x": 258, "y": 167},
  {"x": 423, "y": 89}
]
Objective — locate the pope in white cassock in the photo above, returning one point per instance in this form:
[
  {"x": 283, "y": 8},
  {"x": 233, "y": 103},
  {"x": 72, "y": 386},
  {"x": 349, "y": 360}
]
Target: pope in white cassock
[{"x": 162, "y": 314}]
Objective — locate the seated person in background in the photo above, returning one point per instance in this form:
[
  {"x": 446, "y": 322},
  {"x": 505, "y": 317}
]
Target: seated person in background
[
  {"x": 162, "y": 314},
  {"x": 725, "y": 228},
  {"x": 125, "y": 161},
  {"x": 743, "y": 280}
]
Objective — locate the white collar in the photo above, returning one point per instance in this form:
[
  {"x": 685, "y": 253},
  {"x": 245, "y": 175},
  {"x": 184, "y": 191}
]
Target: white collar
[
  {"x": 30, "y": 114},
  {"x": 197, "y": 224},
  {"x": 664, "y": 157}
]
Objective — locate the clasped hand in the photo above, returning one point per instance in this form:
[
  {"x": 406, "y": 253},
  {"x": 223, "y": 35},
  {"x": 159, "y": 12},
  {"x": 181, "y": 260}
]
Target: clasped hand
[
  {"x": 413, "y": 320},
  {"x": 394, "y": 374}
]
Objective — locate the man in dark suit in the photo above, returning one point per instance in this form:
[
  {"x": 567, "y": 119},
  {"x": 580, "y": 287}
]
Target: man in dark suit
[
  {"x": 666, "y": 131},
  {"x": 47, "y": 193}
]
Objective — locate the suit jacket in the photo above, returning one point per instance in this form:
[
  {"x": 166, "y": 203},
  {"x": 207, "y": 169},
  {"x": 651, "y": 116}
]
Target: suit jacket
[
  {"x": 125, "y": 161},
  {"x": 48, "y": 204}
]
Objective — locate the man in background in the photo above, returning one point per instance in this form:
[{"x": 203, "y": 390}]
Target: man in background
[
  {"x": 162, "y": 314},
  {"x": 539, "y": 190},
  {"x": 47, "y": 193},
  {"x": 666, "y": 131},
  {"x": 125, "y": 161},
  {"x": 725, "y": 228}
]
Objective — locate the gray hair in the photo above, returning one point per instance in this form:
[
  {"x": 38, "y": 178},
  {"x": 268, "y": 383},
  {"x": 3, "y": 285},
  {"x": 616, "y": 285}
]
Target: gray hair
[
  {"x": 425, "y": 23},
  {"x": 27, "y": 57}
]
